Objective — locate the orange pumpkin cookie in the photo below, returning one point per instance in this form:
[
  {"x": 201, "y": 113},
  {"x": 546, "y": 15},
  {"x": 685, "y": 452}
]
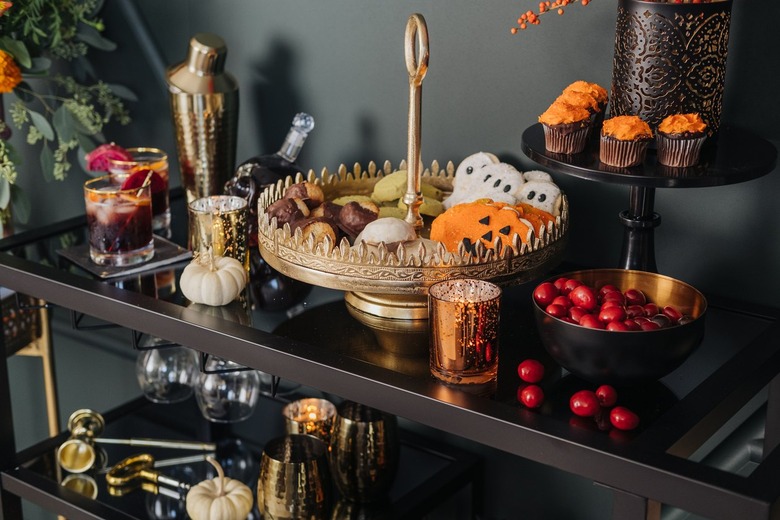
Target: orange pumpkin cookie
[{"x": 474, "y": 222}]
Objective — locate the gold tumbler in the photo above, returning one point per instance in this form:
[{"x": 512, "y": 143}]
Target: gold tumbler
[
  {"x": 364, "y": 452},
  {"x": 294, "y": 479}
]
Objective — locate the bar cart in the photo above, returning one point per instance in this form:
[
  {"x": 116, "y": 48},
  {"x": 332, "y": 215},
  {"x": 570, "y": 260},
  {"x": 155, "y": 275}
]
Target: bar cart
[{"x": 326, "y": 348}]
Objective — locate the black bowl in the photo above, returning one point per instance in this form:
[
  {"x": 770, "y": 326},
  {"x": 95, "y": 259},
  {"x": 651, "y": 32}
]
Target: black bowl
[{"x": 626, "y": 358}]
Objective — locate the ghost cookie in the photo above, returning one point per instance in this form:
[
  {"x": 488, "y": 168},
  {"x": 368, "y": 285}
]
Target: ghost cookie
[
  {"x": 467, "y": 174},
  {"x": 537, "y": 175},
  {"x": 542, "y": 195},
  {"x": 499, "y": 182}
]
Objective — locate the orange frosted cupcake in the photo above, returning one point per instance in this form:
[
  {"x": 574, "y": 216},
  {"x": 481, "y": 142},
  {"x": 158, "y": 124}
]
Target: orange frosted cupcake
[
  {"x": 597, "y": 92},
  {"x": 679, "y": 139},
  {"x": 624, "y": 141},
  {"x": 565, "y": 128}
]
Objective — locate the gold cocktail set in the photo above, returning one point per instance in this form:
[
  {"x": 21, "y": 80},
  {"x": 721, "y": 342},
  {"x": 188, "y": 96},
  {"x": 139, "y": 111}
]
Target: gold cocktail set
[{"x": 81, "y": 453}]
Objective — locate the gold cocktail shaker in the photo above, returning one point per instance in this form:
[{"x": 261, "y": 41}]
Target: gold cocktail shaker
[{"x": 204, "y": 105}]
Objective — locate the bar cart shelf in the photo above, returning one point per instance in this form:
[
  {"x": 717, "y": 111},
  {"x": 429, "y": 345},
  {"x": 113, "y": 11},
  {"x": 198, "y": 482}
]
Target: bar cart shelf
[{"x": 327, "y": 349}]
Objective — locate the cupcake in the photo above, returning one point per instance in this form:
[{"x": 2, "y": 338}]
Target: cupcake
[
  {"x": 597, "y": 92},
  {"x": 679, "y": 138},
  {"x": 565, "y": 128},
  {"x": 624, "y": 141}
]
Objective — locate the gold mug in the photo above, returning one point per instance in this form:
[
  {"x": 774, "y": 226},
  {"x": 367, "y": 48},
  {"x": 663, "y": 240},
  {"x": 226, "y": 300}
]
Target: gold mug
[
  {"x": 364, "y": 451},
  {"x": 294, "y": 479}
]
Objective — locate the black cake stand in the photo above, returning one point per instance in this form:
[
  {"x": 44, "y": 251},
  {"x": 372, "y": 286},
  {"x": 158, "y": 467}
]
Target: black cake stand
[{"x": 733, "y": 156}]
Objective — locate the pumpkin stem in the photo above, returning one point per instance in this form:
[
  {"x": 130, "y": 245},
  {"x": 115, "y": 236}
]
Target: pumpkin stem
[{"x": 220, "y": 476}]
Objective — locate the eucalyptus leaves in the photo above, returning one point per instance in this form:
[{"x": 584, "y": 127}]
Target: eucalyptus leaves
[{"x": 55, "y": 112}]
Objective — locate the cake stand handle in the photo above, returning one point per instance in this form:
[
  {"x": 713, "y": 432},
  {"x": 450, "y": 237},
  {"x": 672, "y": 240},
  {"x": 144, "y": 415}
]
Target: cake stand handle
[{"x": 416, "y": 53}]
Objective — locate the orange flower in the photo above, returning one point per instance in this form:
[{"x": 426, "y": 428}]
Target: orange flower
[
  {"x": 10, "y": 75},
  {"x": 4, "y": 6}
]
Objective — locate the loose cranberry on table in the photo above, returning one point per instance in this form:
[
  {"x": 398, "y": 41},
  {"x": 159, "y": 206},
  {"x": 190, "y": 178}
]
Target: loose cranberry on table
[
  {"x": 584, "y": 403},
  {"x": 530, "y": 371},
  {"x": 623, "y": 419},
  {"x": 607, "y": 395},
  {"x": 532, "y": 396}
]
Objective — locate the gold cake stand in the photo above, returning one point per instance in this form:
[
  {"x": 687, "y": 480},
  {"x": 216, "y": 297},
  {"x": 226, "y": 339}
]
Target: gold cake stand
[{"x": 386, "y": 289}]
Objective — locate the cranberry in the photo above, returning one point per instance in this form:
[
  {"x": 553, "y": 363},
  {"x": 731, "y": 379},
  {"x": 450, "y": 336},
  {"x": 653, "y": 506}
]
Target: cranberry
[
  {"x": 649, "y": 325},
  {"x": 632, "y": 325},
  {"x": 576, "y": 313},
  {"x": 559, "y": 284},
  {"x": 685, "y": 320},
  {"x": 584, "y": 403},
  {"x": 672, "y": 313},
  {"x": 570, "y": 285},
  {"x": 591, "y": 321},
  {"x": 633, "y": 311},
  {"x": 530, "y": 371},
  {"x": 532, "y": 396},
  {"x": 635, "y": 297},
  {"x": 610, "y": 303},
  {"x": 607, "y": 395},
  {"x": 623, "y": 419},
  {"x": 617, "y": 326},
  {"x": 545, "y": 293},
  {"x": 562, "y": 301},
  {"x": 615, "y": 296},
  {"x": 607, "y": 288},
  {"x": 662, "y": 320},
  {"x": 651, "y": 309},
  {"x": 612, "y": 314},
  {"x": 556, "y": 310},
  {"x": 582, "y": 296}
]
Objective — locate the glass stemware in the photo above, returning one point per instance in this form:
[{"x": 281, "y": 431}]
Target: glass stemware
[
  {"x": 166, "y": 375},
  {"x": 227, "y": 392}
]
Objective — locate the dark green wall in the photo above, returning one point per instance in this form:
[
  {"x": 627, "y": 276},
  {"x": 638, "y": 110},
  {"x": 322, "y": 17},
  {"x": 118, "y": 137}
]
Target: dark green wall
[{"x": 342, "y": 61}]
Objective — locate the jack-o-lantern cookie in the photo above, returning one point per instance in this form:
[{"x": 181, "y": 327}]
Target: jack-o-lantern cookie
[{"x": 474, "y": 222}]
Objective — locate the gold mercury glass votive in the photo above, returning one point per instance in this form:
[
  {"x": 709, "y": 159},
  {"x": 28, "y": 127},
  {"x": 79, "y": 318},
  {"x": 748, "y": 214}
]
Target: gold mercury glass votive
[
  {"x": 311, "y": 416},
  {"x": 464, "y": 323},
  {"x": 220, "y": 223}
]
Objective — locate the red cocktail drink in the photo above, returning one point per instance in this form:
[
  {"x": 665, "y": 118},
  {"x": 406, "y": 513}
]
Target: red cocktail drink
[{"x": 119, "y": 222}]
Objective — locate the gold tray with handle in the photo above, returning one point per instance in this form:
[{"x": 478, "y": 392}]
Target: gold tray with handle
[{"x": 394, "y": 284}]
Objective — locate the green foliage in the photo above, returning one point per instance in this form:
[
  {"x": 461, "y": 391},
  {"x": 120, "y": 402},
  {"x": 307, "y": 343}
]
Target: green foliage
[{"x": 56, "y": 112}]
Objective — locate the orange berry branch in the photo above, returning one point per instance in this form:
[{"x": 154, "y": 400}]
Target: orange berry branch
[{"x": 532, "y": 18}]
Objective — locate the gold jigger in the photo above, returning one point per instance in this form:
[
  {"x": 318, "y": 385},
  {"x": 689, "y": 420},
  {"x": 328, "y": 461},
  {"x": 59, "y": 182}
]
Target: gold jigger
[
  {"x": 294, "y": 479},
  {"x": 79, "y": 454},
  {"x": 364, "y": 452},
  {"x": 310, "y": 416}
]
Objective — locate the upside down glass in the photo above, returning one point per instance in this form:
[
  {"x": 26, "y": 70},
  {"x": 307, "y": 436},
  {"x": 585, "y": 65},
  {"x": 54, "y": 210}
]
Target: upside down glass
[
  {"x": 119, "y": 222},
  {"x": 148, "y": 159},
  {"x": 464, "y": 318}
]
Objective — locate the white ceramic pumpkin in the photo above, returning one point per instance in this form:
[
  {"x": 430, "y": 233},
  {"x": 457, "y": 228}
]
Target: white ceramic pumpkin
[
  {"x": 213, "y": 280},
  {"x": 221, "y": 498}
]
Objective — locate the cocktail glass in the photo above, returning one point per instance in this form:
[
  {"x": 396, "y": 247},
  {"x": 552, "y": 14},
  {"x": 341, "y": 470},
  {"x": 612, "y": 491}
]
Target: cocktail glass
[
  {"x": 152, "y": 159},
  {"x": 119, "y": 222}
]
